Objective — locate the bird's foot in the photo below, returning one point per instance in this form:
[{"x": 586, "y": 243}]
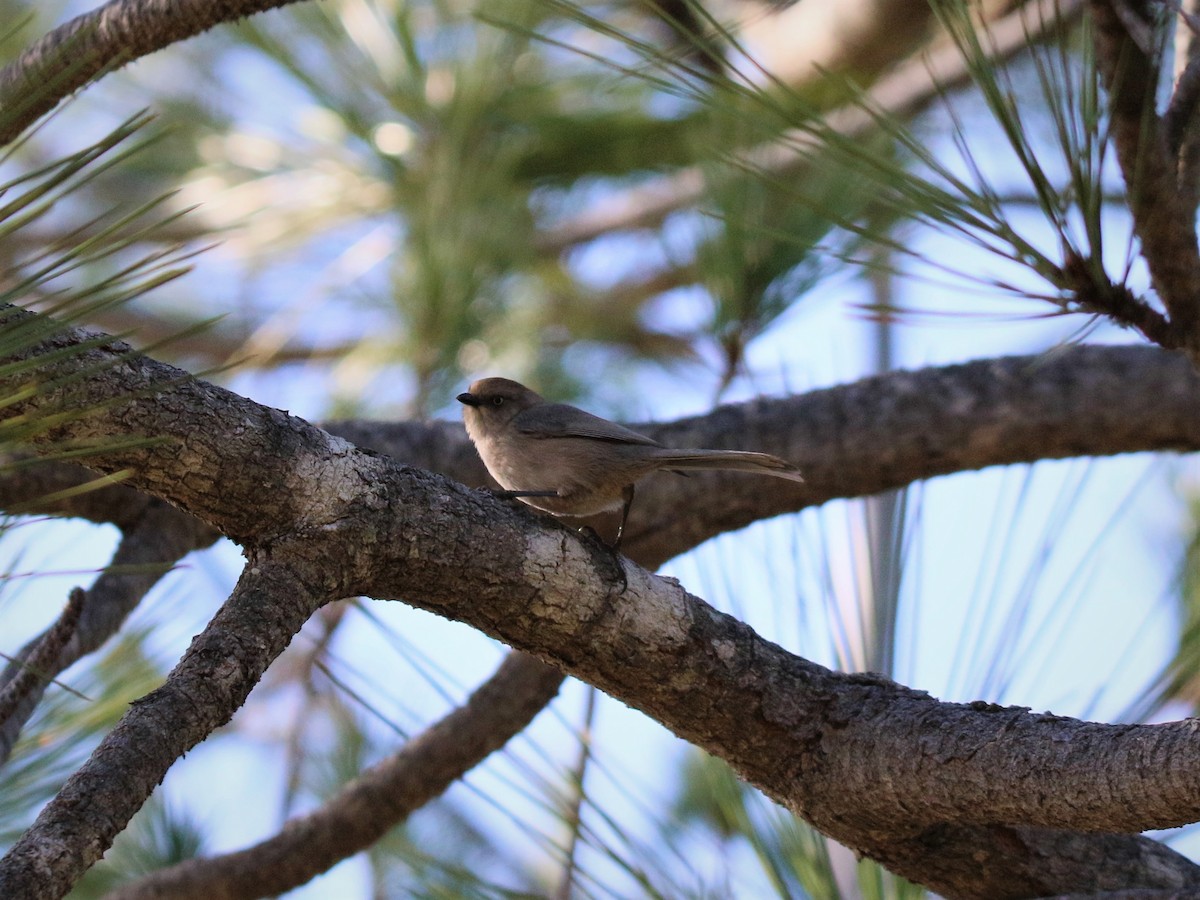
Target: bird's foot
[{"x": 610, "y": 551}]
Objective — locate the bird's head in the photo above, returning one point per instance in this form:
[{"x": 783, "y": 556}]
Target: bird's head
[{"x": 492, "y": 402}]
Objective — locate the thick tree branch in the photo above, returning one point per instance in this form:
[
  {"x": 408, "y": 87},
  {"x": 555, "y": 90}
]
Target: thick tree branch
[
  {"x": 164, "y": 407},
  {"x": 889, "y": 771},
  {"x": 876, "y": 434},
  {"x": 74, "y": 54},
  {"x": 383, "y": 796},
  {"x": 1038, "y": 862},
  {"x": 852, "y": 440},
  {"x": 881, "y": 768}
]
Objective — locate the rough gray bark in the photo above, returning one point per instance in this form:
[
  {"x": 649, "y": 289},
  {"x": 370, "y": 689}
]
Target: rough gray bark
[
  {"x": 363, "y": 811},
  {"x": 924, "y": 786},
  {"x": 100, "y": 41},
  {"x": 851, "y": 440}
]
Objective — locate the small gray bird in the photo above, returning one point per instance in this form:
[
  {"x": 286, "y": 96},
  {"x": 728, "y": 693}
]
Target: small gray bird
[{"x": 568, "y": 462}]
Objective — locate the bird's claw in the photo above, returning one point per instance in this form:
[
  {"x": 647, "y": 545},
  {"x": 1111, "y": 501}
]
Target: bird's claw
[{"x": 611, "y": 549}]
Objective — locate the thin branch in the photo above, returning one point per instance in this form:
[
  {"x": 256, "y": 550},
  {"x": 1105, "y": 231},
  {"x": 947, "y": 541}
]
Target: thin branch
[
  {"x": 1180, "y": 115},
  {"x": 41, "y": 658},
  {"x": 73, "y": 55},
  {"x": 1129, "y": 53},
  {"x": 268, "y": 606},
  {"x": 1183, "y": 115},
  {"x": 378, "y": 800},
  {"x": 1094, "y": 291},
  {"x": 145, "y": 553}
]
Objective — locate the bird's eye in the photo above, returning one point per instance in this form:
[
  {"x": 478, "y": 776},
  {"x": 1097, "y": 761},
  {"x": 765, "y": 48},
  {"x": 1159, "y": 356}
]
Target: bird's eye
[{"x": 497, "y": 401}]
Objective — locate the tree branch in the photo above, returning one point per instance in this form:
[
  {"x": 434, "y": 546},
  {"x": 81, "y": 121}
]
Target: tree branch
[
  {"x": 852, "y": 440},
  {"x": 73, "y": 55},
  {"x": 147, "y": 551},
  {"x": 1182, "y": 118},
  {"x": 886, "y": 770},
  {"x": 268, "y": 606},
  {"x": 41, "y": 656},
  {"x": 383, "y": 796},
  {"x": 883, "y": 769},
  {"x": 1129, "y": 53},
  {"x": 876, "y": 434},
  {"x": 1039, "y": 862},
  {"x": 49, "y": 487}
]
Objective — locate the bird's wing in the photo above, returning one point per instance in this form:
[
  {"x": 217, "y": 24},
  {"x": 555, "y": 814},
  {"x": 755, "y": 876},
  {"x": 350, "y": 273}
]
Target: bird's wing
[{"x": 557, "y": 420}]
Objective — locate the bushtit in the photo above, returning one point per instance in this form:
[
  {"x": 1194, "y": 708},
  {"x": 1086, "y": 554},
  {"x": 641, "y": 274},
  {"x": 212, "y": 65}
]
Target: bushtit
[{"x": 570, "y": 463}]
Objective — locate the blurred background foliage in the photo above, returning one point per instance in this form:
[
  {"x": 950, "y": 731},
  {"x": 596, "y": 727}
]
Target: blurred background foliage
[
  {"x": 393, "y": 197},
  {"x": 411, "y": 162}
]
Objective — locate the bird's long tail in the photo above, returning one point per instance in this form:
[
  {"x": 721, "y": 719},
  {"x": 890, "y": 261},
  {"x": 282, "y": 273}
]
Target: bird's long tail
[{"x": 731, "y": 460}]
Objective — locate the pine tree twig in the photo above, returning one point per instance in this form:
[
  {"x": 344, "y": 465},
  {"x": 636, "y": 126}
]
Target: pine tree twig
[
  {"x": 1182, "y": 118},
  {"x": 76, "y": 53},
  {"x": 376, "y": 801},
  {"x": 1092, "y": 290},
  {"x": 42, "y": 657},
  {"x": 1130, "y": 62}
]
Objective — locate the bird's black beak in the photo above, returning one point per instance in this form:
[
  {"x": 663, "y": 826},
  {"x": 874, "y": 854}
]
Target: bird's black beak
[{"x": 468, "y": 399}]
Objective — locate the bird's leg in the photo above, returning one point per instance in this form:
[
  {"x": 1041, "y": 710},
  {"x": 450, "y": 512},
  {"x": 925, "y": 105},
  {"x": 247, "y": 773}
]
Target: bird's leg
[
  {"x": 627, "y": 496},
  {"x": 613, "y": 548}
]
